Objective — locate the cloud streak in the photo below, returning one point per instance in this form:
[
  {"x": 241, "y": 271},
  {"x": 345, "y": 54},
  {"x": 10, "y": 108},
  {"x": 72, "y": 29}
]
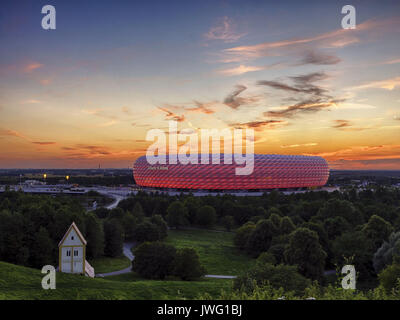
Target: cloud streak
[
  {"x": 234, "y": 100},
  {"x": 333, "y": 39},
  {"x": 224, "y": 31},
  {"x": 312, "y": 98}
]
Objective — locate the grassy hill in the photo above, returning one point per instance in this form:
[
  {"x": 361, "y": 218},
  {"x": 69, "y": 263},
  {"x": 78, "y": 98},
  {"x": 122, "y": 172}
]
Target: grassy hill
[
  {"x": 216, "y": 250},
  {"x": 17, "y": 282}
]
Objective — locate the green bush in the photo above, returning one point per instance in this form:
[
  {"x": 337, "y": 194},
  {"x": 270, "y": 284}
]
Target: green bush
[
  {"x": 187, "y": 264},
  {"x": 154, "y": 260}
]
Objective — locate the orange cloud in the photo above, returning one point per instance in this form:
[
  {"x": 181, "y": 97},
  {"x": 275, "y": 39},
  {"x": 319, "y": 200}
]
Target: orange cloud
[
  {"x": 362, "y": 153},
  {"x": 239, "y": 70},
  {"x": 388, "y": 84},
  {"x": 32, "y": 66},
  {"x": 172, "y": 116}
]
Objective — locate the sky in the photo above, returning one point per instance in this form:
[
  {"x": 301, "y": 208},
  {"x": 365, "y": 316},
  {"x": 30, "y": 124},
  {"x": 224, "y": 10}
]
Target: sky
[{"x": 86, "y": 93}]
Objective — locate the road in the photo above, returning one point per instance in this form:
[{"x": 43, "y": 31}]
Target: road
[{"x": 127, "y": 253}]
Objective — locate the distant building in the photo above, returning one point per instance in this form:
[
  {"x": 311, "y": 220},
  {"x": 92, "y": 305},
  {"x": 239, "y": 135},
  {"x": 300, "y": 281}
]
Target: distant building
[
  {"x": 271, "y": 171},
  {"x": 72, "y": 253},
  {"x": 34, "y": 183}
]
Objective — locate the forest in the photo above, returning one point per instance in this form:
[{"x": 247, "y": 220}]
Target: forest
[{"x": 295, "y": 238}]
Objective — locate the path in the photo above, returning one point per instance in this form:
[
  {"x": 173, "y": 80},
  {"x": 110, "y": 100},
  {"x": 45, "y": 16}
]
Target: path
[
  {"x": 114, "y": 204},
  {"x": 127, "y": 253}
]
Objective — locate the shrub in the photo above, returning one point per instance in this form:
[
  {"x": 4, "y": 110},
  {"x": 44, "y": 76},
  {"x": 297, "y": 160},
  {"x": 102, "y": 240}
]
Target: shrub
[
  {"x": 206, "y": 216},
  {"x": 187, "y": 265},
  {"x": 154, "y": 260}
]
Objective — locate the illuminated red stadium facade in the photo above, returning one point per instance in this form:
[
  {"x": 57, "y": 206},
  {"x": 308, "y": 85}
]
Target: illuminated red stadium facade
[{"x": 270, "y": 172}]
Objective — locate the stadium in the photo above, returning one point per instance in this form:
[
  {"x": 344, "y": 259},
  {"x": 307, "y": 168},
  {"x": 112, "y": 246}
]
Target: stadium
[{"x": 271, "y": 171}]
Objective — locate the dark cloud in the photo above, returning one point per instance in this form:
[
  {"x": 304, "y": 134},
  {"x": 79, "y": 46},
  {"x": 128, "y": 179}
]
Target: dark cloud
[
  {"x": 341, "y": 124},
  {"x": 234, "y": 101},
  {"x": 306, "y": 106},
  {"x": 43, "y": 143},
  {"x": 310, "y": 97},
  {"x": 88, "y": 149},
  {"x": 309, "y": 78},
  {"x": 303, "y": 84},
  {"x": 258, "y": 125},
  {"x": 346, "y": 125},
  {"x": 319, "y": 58},
  {"x": 278, "y": 85}
]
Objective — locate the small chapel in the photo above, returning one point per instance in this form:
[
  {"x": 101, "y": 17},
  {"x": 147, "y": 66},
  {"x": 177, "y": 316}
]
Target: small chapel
[{"x": 72, "y": 253}]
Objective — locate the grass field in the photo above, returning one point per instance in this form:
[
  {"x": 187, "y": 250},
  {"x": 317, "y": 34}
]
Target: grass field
[
  {"x": 17, "y": 282},
  {"x": 216, "y": 250},
  {"x": 106, "y": 264}
]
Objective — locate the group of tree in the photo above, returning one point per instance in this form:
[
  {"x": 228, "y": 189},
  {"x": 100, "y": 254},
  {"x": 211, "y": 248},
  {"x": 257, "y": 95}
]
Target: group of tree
[
  {"x": 31, "y": 226},
  {"x": 157, "y": 260}
]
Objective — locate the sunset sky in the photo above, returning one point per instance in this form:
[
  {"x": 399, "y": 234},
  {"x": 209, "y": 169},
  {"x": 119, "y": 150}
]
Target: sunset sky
[{"x": 86, "y": 93}]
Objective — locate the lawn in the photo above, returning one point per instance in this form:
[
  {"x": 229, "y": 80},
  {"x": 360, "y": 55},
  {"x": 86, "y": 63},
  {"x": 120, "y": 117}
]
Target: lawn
[
  {"x": 106, "y": 264},
  {"x": 216, "y": 250},
  {"x": 17, "y": 282}
]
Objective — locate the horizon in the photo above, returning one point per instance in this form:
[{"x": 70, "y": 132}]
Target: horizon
[{"x": 87, "y": 92}]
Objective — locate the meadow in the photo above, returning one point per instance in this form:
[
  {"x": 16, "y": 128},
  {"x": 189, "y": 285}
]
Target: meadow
[
  {"x": 22, "y": 283},
  {"x": 215, "y": 248}
]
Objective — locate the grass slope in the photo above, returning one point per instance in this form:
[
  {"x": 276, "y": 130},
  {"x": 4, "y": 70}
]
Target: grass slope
[
  {"x": 107, "y": 264},
  {"x": 216, "y": 250},
  {"x": 17, "y": 282}
]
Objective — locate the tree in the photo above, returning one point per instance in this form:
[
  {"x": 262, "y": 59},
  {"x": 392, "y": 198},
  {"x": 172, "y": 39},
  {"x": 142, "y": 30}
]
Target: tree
[
  {"x": 322, "y": 235},
  {"x": 192, "y": 204},
  {"x": 227, "y": 208},
  {"x": 341, "y": 208},
  {"x": 138, "y": 212},
  {"x": 129, "y": 223},
  {"x": 378, "y": 230},
  {"x": 243, "y": 234},
  {"x": 42, "y": 249},
  {"x": 228, "y": 222},
  {"x": 287, "y": 226},
  {"x": 356, "y": 246},
  {"x": 146, "y": 231},
  {"x": 102, "y": 212},
  {"x": 278, "y": 251},
  {"x": 154, "y": 260},
  {"x": 305, "y": 251},
  {"x": 280, "y": 276},
  {"x": 113, "y": 238},
  {"x": 335, "y": 226},
  {"x": 94, "y": 236},
  {"x": 187, "y": 264},
  {"x": 385, "y": 254},
  {"x": 276, "y": 220},
  {"x": 206, "y": 216},
  {"x": 176, "y": 215},
  {"x": 273, "y": 210},
  {"x": 261, "y": 238},
  {"x": 117, "y": 213},
  {"x": 161, "y": 225},
  {"x": 242, "y": 213},
  {"x": 389, "y": 278},
  {"x": 266, "y": 257}
]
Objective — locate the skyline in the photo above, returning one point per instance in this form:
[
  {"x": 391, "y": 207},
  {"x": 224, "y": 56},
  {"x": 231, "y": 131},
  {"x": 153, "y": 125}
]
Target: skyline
[{"x": 86, "y": 93}]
